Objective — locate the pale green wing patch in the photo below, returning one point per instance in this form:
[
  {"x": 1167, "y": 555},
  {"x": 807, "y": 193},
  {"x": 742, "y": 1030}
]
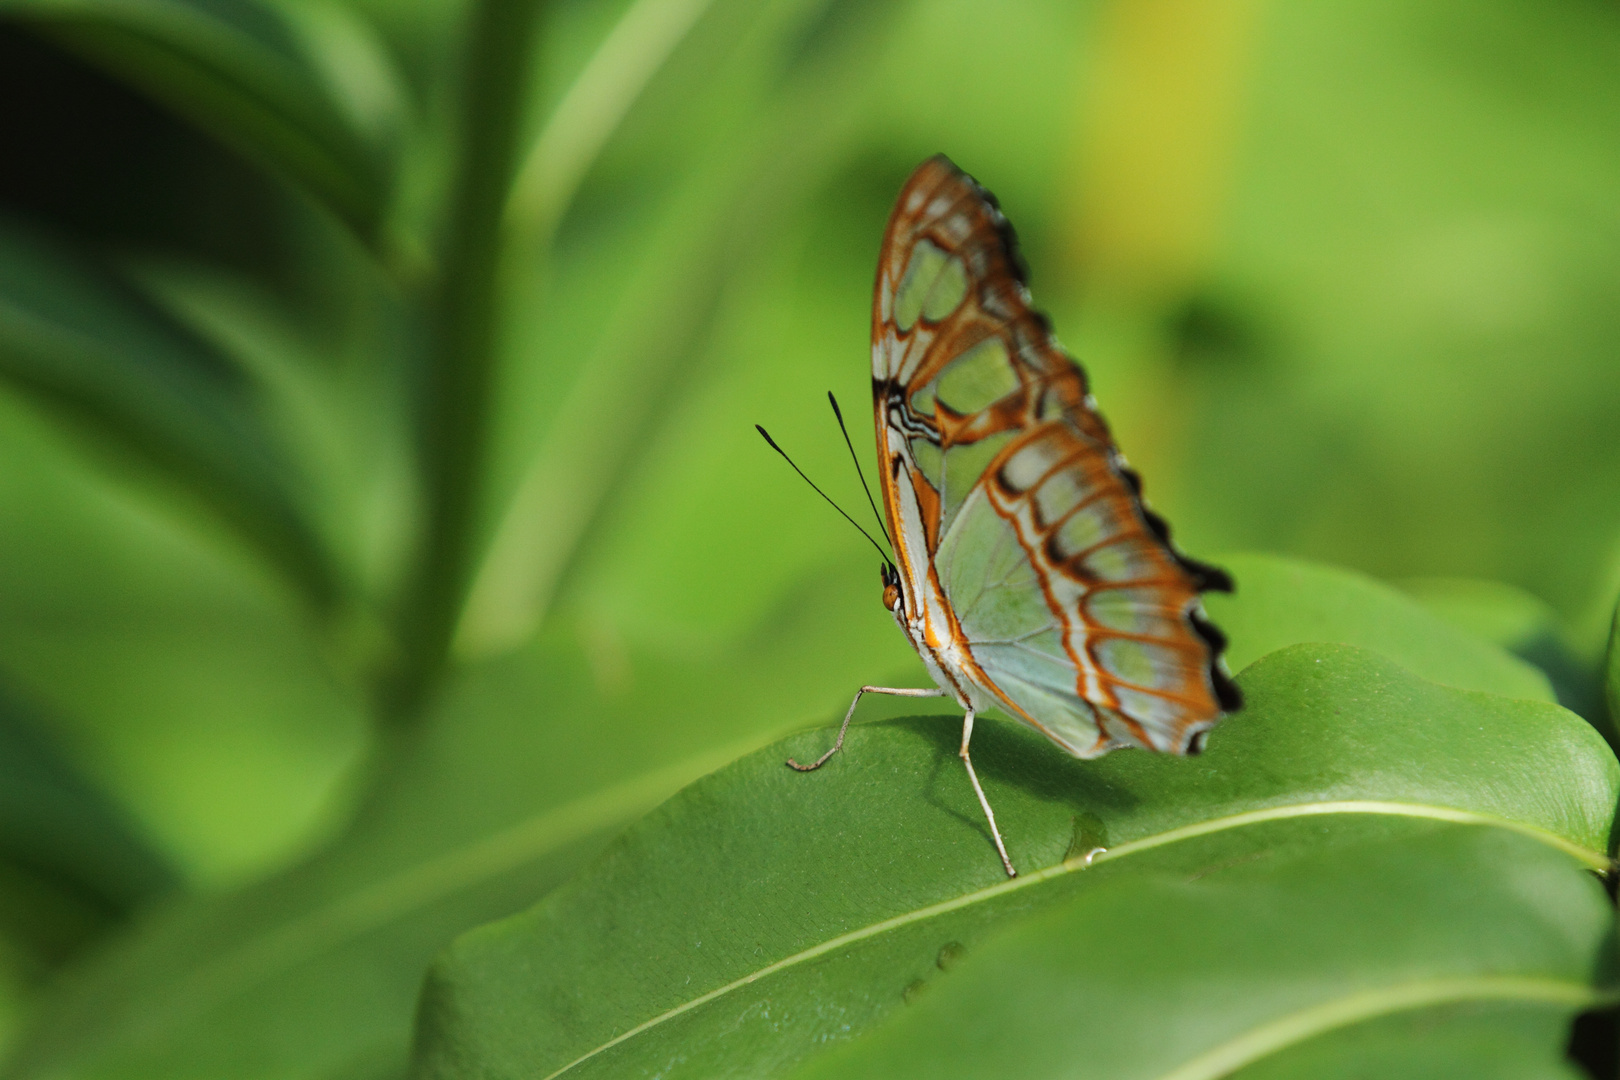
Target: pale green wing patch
[
  {"x": 930, "y": 461},
  {"x": 933, "y": 285},
  {"x": 1091, "y": 525},
  {"x": 1151, "y": 665},
  {"x": 978, "y": 378},
  {"x": 988, "y": 577},
  {"x": 922, "y": 402},
  {"x": 1139, "y": 611},
  {"x": 949, "y": 290},
  {"x": 1011, "y": 630},
  {"x": 964, "y": 465},
  {"x": 1028, "y": 679}
]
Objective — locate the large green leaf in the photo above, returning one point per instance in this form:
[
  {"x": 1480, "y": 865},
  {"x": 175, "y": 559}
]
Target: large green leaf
[
  {"x": 1445, "y": 952},
  {"x": 762, "y": 912},
  {"x": 526, "y": 804}
]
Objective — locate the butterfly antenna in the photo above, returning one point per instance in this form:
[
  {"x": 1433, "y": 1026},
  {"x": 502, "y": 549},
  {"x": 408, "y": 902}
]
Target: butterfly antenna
[
  {"x": 856, "y": 458},
  {"x": 823, "y": 494}
]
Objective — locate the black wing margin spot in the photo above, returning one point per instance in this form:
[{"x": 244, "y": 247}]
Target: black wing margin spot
[{"x": 1004, "y": 228}]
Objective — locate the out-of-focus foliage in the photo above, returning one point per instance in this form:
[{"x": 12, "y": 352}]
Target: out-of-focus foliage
[{"x": 381, "y": 523}]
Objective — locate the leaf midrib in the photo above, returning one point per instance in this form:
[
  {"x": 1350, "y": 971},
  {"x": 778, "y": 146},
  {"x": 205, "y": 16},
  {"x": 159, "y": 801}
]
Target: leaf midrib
[
  {"x": 1594, "y": 860},
  {"x": 1353, "y": 1008}
]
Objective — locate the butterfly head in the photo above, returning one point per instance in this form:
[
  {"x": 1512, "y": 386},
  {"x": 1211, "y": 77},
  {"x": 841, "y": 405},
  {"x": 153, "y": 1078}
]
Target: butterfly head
[{"x": 892, "y": 597}]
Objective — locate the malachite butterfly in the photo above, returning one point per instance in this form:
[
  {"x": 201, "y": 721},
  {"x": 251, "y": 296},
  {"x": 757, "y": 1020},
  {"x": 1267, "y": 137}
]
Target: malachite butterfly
[{"x": 1028, "y": 572}]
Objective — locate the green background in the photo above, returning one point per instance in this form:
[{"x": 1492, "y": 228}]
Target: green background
[{"x": 382, "y": 526}]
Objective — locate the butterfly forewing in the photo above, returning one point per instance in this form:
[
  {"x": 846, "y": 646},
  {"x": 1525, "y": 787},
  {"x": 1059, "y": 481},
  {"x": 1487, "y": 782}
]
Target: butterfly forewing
[{"x": 1033, "y": 575}]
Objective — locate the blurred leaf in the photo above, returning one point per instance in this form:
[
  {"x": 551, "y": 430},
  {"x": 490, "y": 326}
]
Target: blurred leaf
[
  {"x": 358, "y": 73},
  {"x": 54, "y": 821},
  {"x": 612, "y": 394},
  {"x": 80, "y": 342},
  {"x": 70, "y": 863},
  {"x": 12, "y": 999},
  {"x": 1524, "y": 625},
  {"x": 168, "y": 666},
  {"x": 1493, "y": 611},
  {"x": 590, "y": 112},
  {"x": 240, "y": 70},
  {"x": 762, "y": 912},
  {"x": 1418, "y": 254},
  {"x": 1281, "y": 601},
  {"x": 44, "y": 921},
  {"x": 1303, "y": 963},
  {"x": 1611, "y": 668},
  {"x": 335, "y": 402}
]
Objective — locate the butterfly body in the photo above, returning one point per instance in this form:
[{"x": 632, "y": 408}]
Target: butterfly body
[{"x": 1028, "y": 573}]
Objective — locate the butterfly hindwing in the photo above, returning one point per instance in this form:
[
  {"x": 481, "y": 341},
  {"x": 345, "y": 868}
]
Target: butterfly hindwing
[{"x": 1020, "y": 532}]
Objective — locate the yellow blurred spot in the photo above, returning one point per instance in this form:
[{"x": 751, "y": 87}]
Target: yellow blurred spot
[{"x": 1159, "y": 126}]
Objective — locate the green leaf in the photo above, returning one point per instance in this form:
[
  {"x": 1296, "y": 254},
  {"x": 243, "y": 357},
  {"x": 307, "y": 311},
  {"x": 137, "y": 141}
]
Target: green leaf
[
  {"x": 168, "y": 666},
  {"x": 83, "y": 344},
  {"x": 1492, "y": 611},
  {"x": 612, "y": 387},
  {"x": 71, "y": 864},
  {"x": 763, "y": 912},
  {"x": 55, "y": 822},
  {"x": 1611, "y": 670},
  {"x": 1526, "y": 626},
  {"x": 1281, "y": 601},
  {"x": 1468, "y": 1040},
  {"x": 252, "y": 78},
  {"x": 480, "y": 815},
  {"x": 44, "y": 921},
  {"x": 1321, "y": 962}
]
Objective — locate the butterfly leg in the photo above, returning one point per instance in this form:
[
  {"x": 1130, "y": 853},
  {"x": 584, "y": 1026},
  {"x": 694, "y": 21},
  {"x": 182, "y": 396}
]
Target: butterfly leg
[
  {"x": 989, "y": 814},
  {"x": 822, "y": 760}
]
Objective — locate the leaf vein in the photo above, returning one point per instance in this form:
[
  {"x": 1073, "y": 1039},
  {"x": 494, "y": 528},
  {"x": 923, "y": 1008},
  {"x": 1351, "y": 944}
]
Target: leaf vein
[
  {"x": 1594, "y": 860},
  {"x": 1297, "y": 1027}
]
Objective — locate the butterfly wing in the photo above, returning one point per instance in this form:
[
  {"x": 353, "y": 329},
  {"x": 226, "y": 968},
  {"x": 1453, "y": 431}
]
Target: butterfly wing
[{"x": 1035, "y": 574}]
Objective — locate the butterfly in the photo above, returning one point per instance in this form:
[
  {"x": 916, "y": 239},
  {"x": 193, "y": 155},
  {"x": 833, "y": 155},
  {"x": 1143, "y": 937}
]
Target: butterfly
[{"x": 1028, "y": 573}]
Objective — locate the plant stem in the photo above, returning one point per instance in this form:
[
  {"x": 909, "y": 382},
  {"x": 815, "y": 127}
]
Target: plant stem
[{"x": 455, "y": 405}]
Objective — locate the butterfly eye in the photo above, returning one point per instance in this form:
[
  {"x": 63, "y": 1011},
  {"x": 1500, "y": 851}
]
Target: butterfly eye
[{"x": 891, "y": 587}]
